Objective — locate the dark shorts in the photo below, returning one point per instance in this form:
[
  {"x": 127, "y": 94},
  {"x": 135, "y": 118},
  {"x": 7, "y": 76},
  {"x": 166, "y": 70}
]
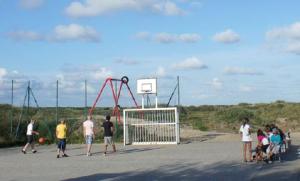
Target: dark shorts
[
  {"x": 29, "y": 139},
  {"x": 61, "y": 144},
  {"x": 264, "y": 148}
]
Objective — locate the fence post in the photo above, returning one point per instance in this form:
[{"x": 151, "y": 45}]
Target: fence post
[
  {"x": 56, "y": 102},
  {"x": 85, "y": 99},
  {"x": 12, "y": 104}
]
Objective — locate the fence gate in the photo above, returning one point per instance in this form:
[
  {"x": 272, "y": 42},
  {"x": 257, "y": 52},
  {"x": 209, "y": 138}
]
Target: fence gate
[{"x": 151, "y": 126}]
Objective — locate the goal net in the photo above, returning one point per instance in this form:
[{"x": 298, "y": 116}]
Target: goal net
[{"x": 151, "y": 126}]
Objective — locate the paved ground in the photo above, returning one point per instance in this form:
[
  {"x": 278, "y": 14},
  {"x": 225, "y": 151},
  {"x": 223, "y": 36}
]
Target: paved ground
[{"x": 209, "y": 159}]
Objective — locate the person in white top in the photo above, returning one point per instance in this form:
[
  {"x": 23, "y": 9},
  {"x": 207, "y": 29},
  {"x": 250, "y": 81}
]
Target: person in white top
[
  {"x": 29, "y": 134},
  {"x": 89, "y": 134},
  {"x": 245, "y": 131}
]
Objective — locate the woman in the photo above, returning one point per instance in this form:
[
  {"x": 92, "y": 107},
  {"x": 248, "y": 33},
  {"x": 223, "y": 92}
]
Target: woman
[
  {"x": 262, "y": 145},
  {"x": 245, "y": 131}
]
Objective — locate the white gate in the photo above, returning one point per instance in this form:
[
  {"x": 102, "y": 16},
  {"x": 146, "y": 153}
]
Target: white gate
[{"x": 151, "y": 126}]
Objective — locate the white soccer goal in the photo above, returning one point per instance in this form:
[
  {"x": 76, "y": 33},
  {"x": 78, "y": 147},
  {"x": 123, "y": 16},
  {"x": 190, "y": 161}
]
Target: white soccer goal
[{"x": 151, "y": 126}]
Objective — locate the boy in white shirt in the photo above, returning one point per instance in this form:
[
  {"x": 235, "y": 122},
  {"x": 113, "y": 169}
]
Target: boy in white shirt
[
  {"x": 29, "y": 134},
  {"x": 88, "y": 133}
]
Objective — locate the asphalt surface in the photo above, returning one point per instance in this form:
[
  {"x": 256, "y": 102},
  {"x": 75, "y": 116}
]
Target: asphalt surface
[{"x": 196, "y": 160}]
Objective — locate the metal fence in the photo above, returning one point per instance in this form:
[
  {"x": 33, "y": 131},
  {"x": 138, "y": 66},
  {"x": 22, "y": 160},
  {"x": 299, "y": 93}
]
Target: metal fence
[{"x": 60, "y": 99}]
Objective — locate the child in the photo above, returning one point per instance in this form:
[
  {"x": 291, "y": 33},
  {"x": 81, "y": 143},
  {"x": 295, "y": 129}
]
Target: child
[{"x": 61, "y": 134}]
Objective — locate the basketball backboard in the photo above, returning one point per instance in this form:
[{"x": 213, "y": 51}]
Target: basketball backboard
[{"x": 146, "y": 86}]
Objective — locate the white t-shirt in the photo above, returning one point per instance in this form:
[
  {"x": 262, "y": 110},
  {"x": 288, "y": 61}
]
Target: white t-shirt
[
  {"x": 246, "y": 133},
  {"x": 29, "y": 129},
  {"x": 88, "y": 125},
  {"x": 265, "y": 141}
]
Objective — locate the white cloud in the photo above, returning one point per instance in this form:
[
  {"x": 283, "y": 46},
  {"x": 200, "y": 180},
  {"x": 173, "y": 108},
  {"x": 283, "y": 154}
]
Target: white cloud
[
  {"x": 189, "y": 63},
  {"x": 285, "y": 38},
  {"x": 168, "y": 8},
  {"x": 294, "y": 48},
  {"x": 25, "y": 36},
  {"x": 143, "y": 35},
  {"x": 165, "y": 38},
  {"x": 240, "y": 71},
  {"x": 169, "y": 38},
  {"x": 100, "y": 74},
  {"x": 61, "y": 33},
  {"x": 75, "y": 32},
  {"x": 190, "y": 38},
  {"x": 161, "y": 72},
  {"x": 90, "y": 89},
  {"x": 3, "y": 72},
  {"x": 290, "y": 32},
  {"x": 71, "y": 75},
  {"x": 126, "y": 61},
  {"x": 89, "y": 8},
  {"x": 228, "y": 36},
  {"x": 217, "y": 83},
  {"x": 247, "y": 89},
  {"x": 84, "y": 72},
  {"x": 31, "y": 4}
]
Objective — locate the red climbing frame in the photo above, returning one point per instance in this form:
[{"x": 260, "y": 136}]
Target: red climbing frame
[{"x": 109, "y": 81}]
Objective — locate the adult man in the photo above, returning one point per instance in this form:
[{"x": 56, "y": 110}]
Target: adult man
[
  {"x": 108, "y": 134},
  {"x": 61, "y": 134},
  {"x": 88, "y": 133},
  {"x": 30, "y": 140}
]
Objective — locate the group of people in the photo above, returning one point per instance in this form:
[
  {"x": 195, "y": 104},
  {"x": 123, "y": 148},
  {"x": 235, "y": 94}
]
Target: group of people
[
  {"x": 61, "y": 135},
  {"x": 270, "y": 142}
]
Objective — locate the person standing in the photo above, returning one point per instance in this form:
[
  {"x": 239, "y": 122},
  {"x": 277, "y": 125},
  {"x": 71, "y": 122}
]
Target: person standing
[
  {"x": 61, "y": 135},
  {"x": 29, "y": 134},
  {"x": 108, "y": 134},
  {"x": 88, "y": 133},
  {"x": 245, "y": 131}
]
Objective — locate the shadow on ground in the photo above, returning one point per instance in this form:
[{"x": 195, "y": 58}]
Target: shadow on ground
[
  {"x": 201, "y": 138},
  {"x": 215, "y": 172}
]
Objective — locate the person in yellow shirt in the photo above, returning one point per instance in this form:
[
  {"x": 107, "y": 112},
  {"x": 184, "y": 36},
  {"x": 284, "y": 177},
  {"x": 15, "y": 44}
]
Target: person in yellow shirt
[{"x": 61, "y": 135}]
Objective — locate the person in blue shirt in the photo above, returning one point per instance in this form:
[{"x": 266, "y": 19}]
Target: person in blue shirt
[{"x": 275, "y": 142}]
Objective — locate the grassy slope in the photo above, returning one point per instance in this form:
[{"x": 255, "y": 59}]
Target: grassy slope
[{"x": 220, "y": 118}]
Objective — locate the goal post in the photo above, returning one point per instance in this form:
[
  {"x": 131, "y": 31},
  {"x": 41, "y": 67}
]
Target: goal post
[{"x": 151, "y": 126}]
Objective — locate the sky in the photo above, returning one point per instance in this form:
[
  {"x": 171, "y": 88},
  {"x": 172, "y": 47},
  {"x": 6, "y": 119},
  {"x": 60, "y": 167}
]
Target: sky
[{"x": 224, "y": 52}]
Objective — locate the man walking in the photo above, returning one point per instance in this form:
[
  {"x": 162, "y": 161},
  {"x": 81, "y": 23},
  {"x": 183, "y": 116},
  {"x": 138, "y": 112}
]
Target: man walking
[
  {"x": 88, "y": 133},
  {"x": 108, "y": 134},
  {"x": 30, "y": 140}
]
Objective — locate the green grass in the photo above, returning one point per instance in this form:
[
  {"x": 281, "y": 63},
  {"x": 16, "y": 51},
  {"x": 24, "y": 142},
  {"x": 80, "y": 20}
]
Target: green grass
[{"x": 219, "y": 118}]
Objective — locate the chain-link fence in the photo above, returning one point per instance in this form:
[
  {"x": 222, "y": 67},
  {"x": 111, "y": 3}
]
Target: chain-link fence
[{"x": 21, "y": 100}]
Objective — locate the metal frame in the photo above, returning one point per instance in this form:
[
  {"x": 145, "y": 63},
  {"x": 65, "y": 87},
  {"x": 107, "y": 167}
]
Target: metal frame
[
  {"x": 162, "y": 127},
  {"x": 116, "y": 95}
]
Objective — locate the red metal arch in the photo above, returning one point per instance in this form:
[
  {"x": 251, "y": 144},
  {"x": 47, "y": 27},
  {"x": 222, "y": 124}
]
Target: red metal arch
[{"x": 109, "y": 81}]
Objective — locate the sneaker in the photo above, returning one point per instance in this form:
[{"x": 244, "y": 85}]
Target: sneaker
[
  {"x": 57, "y": 156},
  {"x": 104, "y": 154},
  {"x": 65, "y": 155},
  {"x": 23, "y": 151},
  {"x": 33, "y": 151},
  {"x": 269, "y": 161}
]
